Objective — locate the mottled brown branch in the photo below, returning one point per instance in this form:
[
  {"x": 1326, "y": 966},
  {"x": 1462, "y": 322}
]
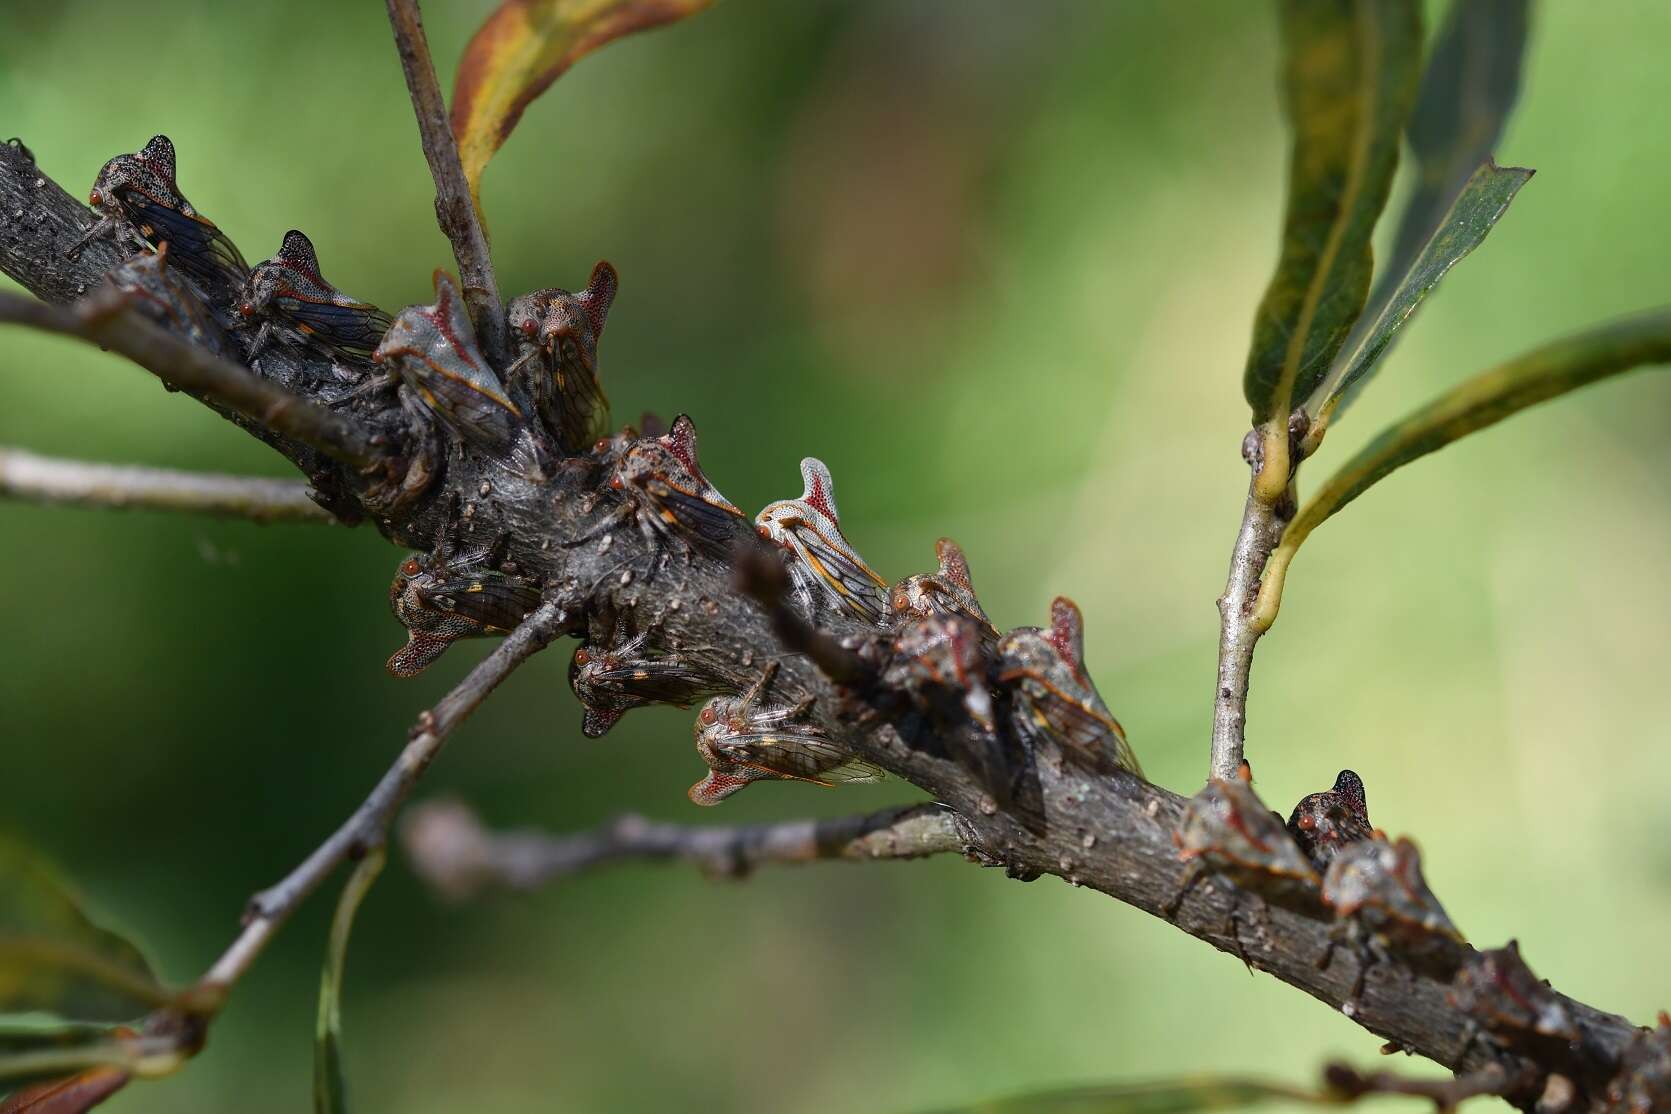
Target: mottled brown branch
[
  {"x": 79, "y": 483},
  {"x": 104, "y": 318},
  {"x": 451, "y": 850},
  {"x": 455, "y": 209},
  {"x": 369, "y": 825},
  {"x": 574, "y": 533}
]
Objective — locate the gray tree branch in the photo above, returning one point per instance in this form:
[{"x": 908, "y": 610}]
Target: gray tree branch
[
  {"x": 451, "y": 850},
  {"x": 600, "y": 566},
  {"x": 78, "y": 483},
  {"x": 105, "y": 318},
  {"x": 455, "y": 208}
]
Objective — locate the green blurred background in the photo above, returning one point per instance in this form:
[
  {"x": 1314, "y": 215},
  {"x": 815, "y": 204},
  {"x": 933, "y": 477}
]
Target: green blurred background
[{"x": 996, "y": 263}]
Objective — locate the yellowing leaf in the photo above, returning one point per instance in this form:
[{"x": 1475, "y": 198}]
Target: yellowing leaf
[{"x": 523, "y": 47}]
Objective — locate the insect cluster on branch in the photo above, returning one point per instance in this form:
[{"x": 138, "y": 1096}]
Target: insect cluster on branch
[{"x": 937, "y": 661}]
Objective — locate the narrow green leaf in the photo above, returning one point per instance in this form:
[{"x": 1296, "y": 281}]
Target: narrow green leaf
[
  {"x": 1349, "y": 78},
  {"x": 1172, "y": 1097},
  {"x": 329, "y": 1088},
  {"x": 54, "y": 959},
  {"x": 1544, "y": 373},
  {"x": 1467, "y": 93},
  {"x": 1483, "y": 199}
]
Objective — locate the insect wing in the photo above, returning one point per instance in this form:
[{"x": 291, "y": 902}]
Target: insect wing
[
  {"x": 195, "y": 246},
  {"x": 841, "y": 572},
  {"x": 663, "y": 682},
  {"x": 497, "y": 604},
  {"x": 800, "y": 758},
  {"x": 582, "y": 410},
  {"x": 348, "y": 328},
  {"x": 694, "y": 513}
]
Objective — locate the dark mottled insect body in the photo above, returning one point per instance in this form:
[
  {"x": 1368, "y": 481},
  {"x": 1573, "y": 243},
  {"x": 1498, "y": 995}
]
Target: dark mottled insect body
[
  {"x": 557, "y": 334},
  {"x": 288, "y": 294},
  {"x": 671, "y": 496},
  {"x": 744, "y": 740},
  {"x": 160, "y": 294},
  {"x": 948, "y": 591},
  {"x": 1379, "y": 886},
  {"x": 139, "y": 191},
  {"x": 1643, "y": 1082},
  {"x": 1325, "y": 823},
  {"x": 941, "y": 657},
  {"x": 1499, "y": 992},
  {"x": 1053, "y": 697},
  {"x": 1228, "y": 829},
  {"x": 828, "y": 575},
  {"x": 438, "y": 605},
  {"x": 433, "y": 351},
  {"x": 611, "y": 682}
]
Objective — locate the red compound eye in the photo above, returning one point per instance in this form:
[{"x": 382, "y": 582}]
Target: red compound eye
[
  {"x": 95, "y": 199},
  {"x": 410, "y": 567},
  {"x": 707, "y": 717},
  {"x": 529, "y": 328},
  {"x": 581, "y": 657},
  {"x": 246, "y": 309},
  {"x": 615, "y": 482}
]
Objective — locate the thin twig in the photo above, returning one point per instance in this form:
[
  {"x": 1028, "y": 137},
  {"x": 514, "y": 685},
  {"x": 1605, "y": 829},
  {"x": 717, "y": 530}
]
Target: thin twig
[
  {"x": 104, "y": 318},
  {"x": 80, "y": 483},
  {"x": 455, "y": 210},
  {"x": 1493, "y": 1079},
  {"x": 1262, "y": 526},
  {"x": 368, "y": 827},
  {"x": 454, "y": 853}
]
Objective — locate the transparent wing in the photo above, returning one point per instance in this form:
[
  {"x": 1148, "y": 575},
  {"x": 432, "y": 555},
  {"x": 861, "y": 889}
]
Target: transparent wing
[
  {"x": 353, "y": 330},
  {"x": 195, "y": 246},
  {"x": 798, "y": 757}
]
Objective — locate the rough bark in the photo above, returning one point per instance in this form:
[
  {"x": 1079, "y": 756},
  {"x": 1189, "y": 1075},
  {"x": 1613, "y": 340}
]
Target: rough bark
[{"x": 1112, "y": 833}]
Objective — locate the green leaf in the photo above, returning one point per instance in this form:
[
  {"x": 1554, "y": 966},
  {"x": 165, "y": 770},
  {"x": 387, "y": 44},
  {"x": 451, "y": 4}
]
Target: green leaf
[
  {"x": 1483, "y": 199},
  {"x": 1172, "y": 1097},
  {"x": 1467, "y": 92},
  {"x": 54, "y": 959},
  {"x": 1349, "y": 78},
  {"x": 329, "y": 1087},
  {"x": 65, "y": 986},
  {"x": 1544, "y": 373}
]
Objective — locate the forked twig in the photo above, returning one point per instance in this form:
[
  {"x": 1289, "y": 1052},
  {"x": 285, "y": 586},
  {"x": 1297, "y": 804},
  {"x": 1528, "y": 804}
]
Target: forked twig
[
  {"x": 79, "y": 483},
  {"x": 369, "y": 825}
]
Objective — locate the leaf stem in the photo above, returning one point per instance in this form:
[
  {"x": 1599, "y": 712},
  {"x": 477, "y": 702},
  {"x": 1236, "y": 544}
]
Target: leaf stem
[{"x": 1263, "y": 521}]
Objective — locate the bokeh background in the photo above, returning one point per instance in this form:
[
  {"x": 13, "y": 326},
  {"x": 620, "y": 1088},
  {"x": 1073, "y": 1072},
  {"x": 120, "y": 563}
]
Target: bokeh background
[{"x": 996, "y": 263}]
